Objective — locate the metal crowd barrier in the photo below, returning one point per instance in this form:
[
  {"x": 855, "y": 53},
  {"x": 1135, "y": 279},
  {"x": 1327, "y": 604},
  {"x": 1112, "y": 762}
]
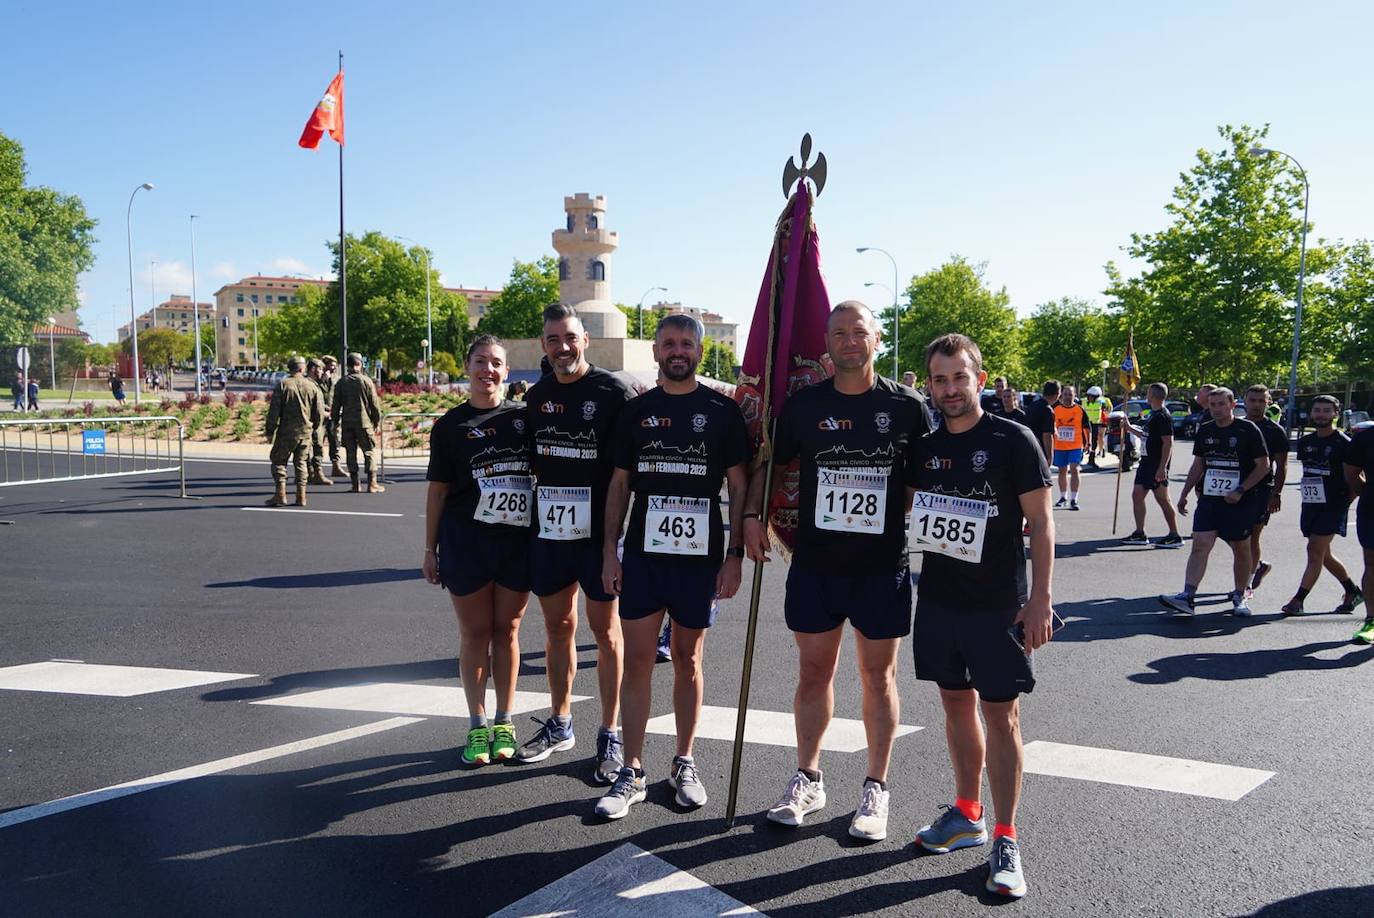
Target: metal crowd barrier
[
  {"x": 44, "y": 450},
  {"x": 409, "y": 423}
]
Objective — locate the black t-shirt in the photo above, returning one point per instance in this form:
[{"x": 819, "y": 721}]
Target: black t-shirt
[
  {"x": 1040, "y": 419},
  {"x": 679, "y": 446},
  {"x": 853, "y": 451},
  {"x": 996, "y": 461},
  {"x": 1324, "y": 458},
  {"x": 1276, "y": 441},
  {"x": 1361, "y": 455},
  {"x": 1226, "y": 451},
  {"x": 1017, "y": 415},
  {"x": 573, "y": 427},
  {"x": 470, "y": 444},
  {"x": 1157, "y": 426}
]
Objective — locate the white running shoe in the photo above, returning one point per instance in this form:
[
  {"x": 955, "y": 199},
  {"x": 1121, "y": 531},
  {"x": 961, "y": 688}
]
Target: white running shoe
[
  {"x": 802, "y": 796},
  {"x": 870, "y": 819}
]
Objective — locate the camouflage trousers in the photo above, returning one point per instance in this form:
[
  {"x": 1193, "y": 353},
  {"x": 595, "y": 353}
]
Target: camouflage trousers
[
  {"x": 355, "y": 439},
  {"x": 295, "y": 450}
]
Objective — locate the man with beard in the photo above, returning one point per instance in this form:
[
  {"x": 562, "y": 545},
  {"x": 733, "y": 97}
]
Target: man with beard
[
  {"x": 674, "y": 446},
  {"x": 1269, "y": 495},
  {"x": 977, "y": 619},
  {"x": 1325, "y": 503},
  {"x": 852, "y": 433},
  {"x": 573, "y": 412}
]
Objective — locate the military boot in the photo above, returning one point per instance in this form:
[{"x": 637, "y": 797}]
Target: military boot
[
  {"x": 372, "y": 486},
  {"x": 355, "y": 489},
  {"x": 278, "y": 499},
  {"x": 300, "y": 494},
  {"x": 317, "y": 477},
  {"x": 337, "y": 470}
]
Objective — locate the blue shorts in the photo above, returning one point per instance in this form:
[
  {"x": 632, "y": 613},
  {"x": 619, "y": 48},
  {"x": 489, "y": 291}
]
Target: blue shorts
[
  {"x": 472, "y": 555},
  {"x": 966, "y": 648},
  {"x": 1231, "y": 522},
  {"x": 1063, "y": 457},
  {"x": 554, "y": 565},
  {"x": 687, "y": 590},
  {"x": 877, "y": 605},
  {"x": 1322, "y": 521}
]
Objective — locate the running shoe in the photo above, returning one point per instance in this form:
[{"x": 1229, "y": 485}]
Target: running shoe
[
  {"x": 477, "y": 750},
  {"x": 551, "y": 738},
  {"x": 503, "y": 741},
  {"x": 1240, "y": 604},
  {"x": 1180, "y": 603},
  {"x": 1136, "y": 538},
  {"x": 627, "y": 790},
  {"x": 1004, "y": 869},
  {"x": 610, "y": 757},
  {"x": 683, "y": 776},
  {"x": 1073, "y": 505},
  {"x": 870, "y": 819},
  {"x": 1260, "y": 573},
  {"x": 1366, "y": 633},
  {"x": 1062, "y": 502},
  {"x": 1349, "y": 603},
  {"x": 802, "y": 797},
  {"x": 1172, "y": 540},
  {"x": 664, "y": 651},
  {"x": 1293, "y": 607},
  {"x": 952, "y": 831}
]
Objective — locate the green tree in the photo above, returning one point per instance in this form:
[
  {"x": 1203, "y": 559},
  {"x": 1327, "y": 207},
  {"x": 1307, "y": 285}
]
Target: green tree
[
  {"x": 207, "y": 343},
  {"x": 1061, "y": 340},
  {"x": 1338, "y": 319},
  {"x": 718, "y": 361},
  {"x": 637, "y": 328},
  {"x": 954, "y": 298},
  {"x": 45, "y": 242},
  {"x": 298, "y": 327},
  {"x": 517, "y": 312},
  {"x": 72, "y": 354},
  {"x": 444, "y": 362},
  {"x": 162, "y": 347}
]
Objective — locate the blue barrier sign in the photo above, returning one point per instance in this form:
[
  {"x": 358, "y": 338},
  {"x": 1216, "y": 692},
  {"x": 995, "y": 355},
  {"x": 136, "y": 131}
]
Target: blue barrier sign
[{"x": 93, "y": 442}]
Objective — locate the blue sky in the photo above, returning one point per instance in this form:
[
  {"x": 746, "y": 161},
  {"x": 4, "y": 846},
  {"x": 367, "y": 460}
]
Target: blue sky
[{"x": 1035, "y": 137}]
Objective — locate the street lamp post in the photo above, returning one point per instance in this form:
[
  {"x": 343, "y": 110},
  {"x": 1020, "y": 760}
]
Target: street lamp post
[
  {"x": 1103, "y": 366},
  {"x": 429, "y": 313},
  {"x": 52, "y": 350},
  {"x": 1292, "y": 413},
  {"x": 133, "y": 319},
  {"x": 896, "y": 316},
  {"x": 639, "y": 310},
  {"x": 195, "y": 307}
]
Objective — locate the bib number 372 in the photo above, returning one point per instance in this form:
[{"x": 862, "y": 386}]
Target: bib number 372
[
  {"x": 505, "y": 500},
  {"x": 1220, "y": 482},
  {"x": 947, "y": 525},
  {"x": 678, "y": 526}
]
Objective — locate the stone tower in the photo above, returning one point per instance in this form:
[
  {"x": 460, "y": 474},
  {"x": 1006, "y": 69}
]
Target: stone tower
[{"x": 584, "y": 248}]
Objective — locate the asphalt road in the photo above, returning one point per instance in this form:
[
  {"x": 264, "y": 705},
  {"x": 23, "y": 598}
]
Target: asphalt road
[{"x": 374, "y": 814}]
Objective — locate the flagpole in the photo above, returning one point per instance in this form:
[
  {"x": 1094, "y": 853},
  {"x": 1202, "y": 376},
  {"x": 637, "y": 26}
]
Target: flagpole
[{"x": 343, "y": 254}]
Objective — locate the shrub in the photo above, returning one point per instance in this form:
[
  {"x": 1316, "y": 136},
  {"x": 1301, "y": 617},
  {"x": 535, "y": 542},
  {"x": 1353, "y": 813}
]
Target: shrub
[
  {"x": 165, "y": 405},
  {"x": 250, "y": 397},
  {"x": 230, "y": 399},
  {"x": 243, "y": 428},
  {"x": 88, "y": 409},
  {"x": 187, "y": 403},
  {"x": 205, "y": 399}
]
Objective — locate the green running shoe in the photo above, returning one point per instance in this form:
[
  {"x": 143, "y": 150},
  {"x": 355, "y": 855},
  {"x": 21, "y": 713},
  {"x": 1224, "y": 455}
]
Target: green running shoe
[
  {"x": 1366, "y": 633},
  {"x": 477, "y": 751},
  {"x": 503, "y": 741}
]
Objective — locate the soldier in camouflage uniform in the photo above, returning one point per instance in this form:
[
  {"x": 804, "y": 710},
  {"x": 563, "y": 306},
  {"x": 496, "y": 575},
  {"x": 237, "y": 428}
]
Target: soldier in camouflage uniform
[
  {"x": 331, "y": 430},
  {"x": 357, "y": 412},
  {"x": 314, "y": 371},
  {"x": 295, "y": 411}
]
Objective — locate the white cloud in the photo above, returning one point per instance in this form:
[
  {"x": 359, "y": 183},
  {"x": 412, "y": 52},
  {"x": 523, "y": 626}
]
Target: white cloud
[
  {"x": 224, "y": 270},
  {"x": 443, "y": 280},
  {"x": 290, "y": 266}
]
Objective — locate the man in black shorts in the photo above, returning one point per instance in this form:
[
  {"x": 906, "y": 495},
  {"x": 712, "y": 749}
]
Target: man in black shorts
[
  {"x": 1325, "y": 504},
  {"x": 1359, "y": 472},
  {"x": 853, "y": 433},
  {"x": 1152, "y": 475},
  {"x": 1230, "y": 461},
  {"x": 573, "y": 412},
  {"x": 674, "y": 446},
  {"x": 976, "y": 478},
  {"x": 1268, "y": 496}
]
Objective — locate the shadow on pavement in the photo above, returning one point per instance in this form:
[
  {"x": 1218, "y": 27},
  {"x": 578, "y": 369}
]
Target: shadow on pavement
[
  {"x": 1251, "y": 664},
  {"x": 1337, "y": 903},
  {"x": 417, "y": 670},
  {"x": 1123, "y": 617},
  {"x": 324, "y": 579}
]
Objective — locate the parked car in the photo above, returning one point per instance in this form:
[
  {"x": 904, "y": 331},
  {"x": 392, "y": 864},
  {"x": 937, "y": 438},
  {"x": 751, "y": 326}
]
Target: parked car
[{"x": 1137, "y": 410}]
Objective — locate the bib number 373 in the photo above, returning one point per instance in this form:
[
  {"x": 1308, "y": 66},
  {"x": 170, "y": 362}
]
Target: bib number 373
[
  {"x": 851, "y": 500},
  {"x": 505, "y": 500},
  {"x": 947, "y": 525},
  {"x": 678, "y": 526}
]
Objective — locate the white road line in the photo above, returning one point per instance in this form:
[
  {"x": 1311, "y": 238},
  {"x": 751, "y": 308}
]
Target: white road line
[
  {"x": 73, "y": 677},
  {"x": 90, "y": 798},
  {"x": 328, "y": 512},
  {"x": 405, "y": 698},
  {"x": 1136, "y": 769},
  {"x": 627, "y": 883},
  {"x": 772, "y": 728}
]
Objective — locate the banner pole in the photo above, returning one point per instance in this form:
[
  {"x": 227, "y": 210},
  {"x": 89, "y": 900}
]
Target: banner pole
[{"x": 343, "y": 256}]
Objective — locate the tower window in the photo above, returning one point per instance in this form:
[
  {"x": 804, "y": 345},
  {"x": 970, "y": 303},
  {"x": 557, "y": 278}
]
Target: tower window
[
  {"x": 570, "y": 222},
  {"x": 598, "y": 271},
  {"x": 563, "y": 272},
  {"x": 592, "y": 222}
]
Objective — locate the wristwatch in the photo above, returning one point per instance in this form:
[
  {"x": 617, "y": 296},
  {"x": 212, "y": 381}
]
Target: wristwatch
[{"x": 735, "y": 552}]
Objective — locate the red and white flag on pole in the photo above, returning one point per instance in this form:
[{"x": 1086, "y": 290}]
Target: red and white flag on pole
[{"x": 328, "y": 116}]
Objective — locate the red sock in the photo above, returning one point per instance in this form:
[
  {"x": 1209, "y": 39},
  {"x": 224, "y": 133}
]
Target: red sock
[
  {"x": 1004, "y": 830},
  {"x": 972, "y": 809}
]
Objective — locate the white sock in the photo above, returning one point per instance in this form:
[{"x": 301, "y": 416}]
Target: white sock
[{"x": 1073, "y": 495}]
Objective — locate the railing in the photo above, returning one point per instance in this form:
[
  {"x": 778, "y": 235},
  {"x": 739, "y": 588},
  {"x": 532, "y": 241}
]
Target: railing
[
  {"x": 408, "y": 436},
  {"x": 46, "y": 450}
]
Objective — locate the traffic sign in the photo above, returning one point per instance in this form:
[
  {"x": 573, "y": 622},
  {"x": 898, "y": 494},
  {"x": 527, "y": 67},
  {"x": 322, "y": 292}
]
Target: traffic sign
[{"x": 21, "y": 357}]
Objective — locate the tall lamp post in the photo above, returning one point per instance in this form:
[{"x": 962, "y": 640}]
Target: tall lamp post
[
  {"x": 428, "y": 346},
  {"x": 133, "y": 319},
  {"x": 639, "y": 310},
  {"x": 195, "y": 307},
  {"x": 896, "y": 316},
  {"x": 52, "y": 350},
  {"x": 1103, "y": 366},
  {"x": 1292, "y": 413}
]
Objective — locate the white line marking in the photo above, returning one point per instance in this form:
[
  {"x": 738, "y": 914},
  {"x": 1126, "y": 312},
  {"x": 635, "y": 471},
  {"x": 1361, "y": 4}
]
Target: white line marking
[
  {"x": 115, "y": 791},
  {"x": 327, "y": 512},
  {"x": 76, "y": 678},
  {"x": 772, "y": 728},
  {"x": 627, "y": 883},
  {"x": 405, "y": 698},
  {"x": 1136, "y": 769}
]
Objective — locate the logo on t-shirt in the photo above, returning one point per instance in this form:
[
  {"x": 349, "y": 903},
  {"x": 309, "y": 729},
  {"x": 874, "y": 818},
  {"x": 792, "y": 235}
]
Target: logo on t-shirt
[
  {"x": 835, "y": 424},
  {"x": 980, "y": 460},
  {"x": 588, "y": 410},
  {"x": 1231, "y": 442},
  {"x": 518, "y": 424},
  {"x": 551, "y": 408},
  {"x": 883, "y": 420},
  {"x": 477, "y": 433},
  {"x": 698, "y": 423},
  {"x": 935, "y": 464},
  {"x": 652, "y": 421}
]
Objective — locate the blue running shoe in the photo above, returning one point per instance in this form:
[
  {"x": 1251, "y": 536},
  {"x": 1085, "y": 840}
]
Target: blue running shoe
[
  {"x": 953, "y": 830},
  {"x": 551, "y": 738},
  {"x": 1004, "y": 869}
]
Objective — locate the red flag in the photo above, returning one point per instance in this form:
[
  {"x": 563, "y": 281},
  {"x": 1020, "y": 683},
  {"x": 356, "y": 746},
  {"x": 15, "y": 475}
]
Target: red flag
[
  {"x": 328, "y": 116},
  {"x": 786, "y": 341}
]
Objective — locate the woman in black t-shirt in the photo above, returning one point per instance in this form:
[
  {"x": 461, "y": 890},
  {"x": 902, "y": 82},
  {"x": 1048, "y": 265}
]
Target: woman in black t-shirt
[{"x": 477, "y": 527}]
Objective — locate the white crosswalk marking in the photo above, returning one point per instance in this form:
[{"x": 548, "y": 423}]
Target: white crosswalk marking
[
  {"x": 771, "y": 728},
  {"x": 405, "y": 698},
  {"x": 76, "y": 678},
  {"x": 1135, "y": 769},
  {"x": 629, "y": 882}
]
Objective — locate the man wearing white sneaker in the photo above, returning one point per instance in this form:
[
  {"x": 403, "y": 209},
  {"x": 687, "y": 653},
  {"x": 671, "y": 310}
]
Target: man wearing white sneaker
[{"x": 852, "y": 433}]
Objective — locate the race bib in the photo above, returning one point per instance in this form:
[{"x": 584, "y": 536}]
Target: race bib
[
  {"x": 1313, "y": 490},
  {"x": 947, "y": 525},
  {"x": 1220, "y": 482},
  {"x": 565, "y": 514},
  {"x": 678, "y": 526},
  {"x": 851, "y": 500},
  {"x": 1066, "y": 434},
  {"x": 505, "y": 500}
]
